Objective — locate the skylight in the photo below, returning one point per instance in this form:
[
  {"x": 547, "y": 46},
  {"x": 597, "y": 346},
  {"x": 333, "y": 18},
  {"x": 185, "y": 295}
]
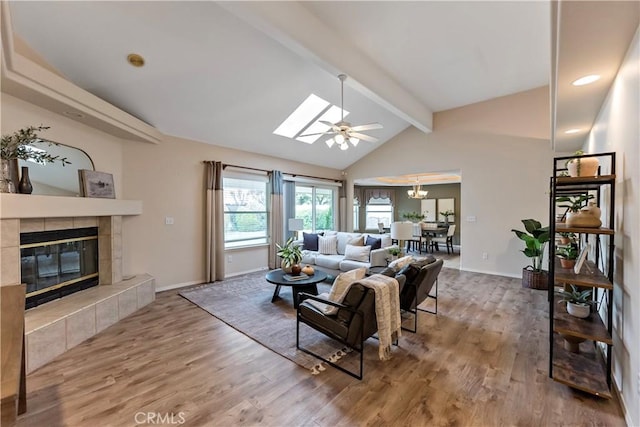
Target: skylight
[{"x": 305, "y": 119}]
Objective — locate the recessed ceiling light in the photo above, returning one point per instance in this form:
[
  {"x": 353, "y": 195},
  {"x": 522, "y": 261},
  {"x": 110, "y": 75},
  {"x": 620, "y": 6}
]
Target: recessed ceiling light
[
  {"x": 570, "y": 131},
  {"x": 586, "y": 80},
  {"x": 135, "y": 60}
]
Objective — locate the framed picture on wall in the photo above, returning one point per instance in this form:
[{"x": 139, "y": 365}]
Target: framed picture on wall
[
  {"x": 428, "y": 209},
  {"x": 96, "y": 184},
  {"x": 446, "y": 205}
]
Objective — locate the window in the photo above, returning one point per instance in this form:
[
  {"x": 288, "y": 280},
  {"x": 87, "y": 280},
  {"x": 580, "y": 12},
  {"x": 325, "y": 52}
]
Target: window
[
  {"x": 378, "y": 210},
  {"x": 316, "y": 207},
  {"x": 245, "y": 211}
]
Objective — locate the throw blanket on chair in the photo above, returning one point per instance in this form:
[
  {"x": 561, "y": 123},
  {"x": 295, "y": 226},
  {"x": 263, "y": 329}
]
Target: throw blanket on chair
[{"x": 387, "y": 298}]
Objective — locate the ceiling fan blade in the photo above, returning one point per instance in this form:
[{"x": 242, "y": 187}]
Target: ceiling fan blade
[
  {"x": 331, "y": 125},
  {"x": 329, "y": 132},
  {"x": 363, "y": 137},
  {"x": 369, "y": 126}
]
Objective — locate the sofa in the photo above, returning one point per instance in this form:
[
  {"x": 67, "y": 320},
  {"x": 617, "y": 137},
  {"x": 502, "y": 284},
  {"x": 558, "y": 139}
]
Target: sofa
[{"x": 336, "y": 251}]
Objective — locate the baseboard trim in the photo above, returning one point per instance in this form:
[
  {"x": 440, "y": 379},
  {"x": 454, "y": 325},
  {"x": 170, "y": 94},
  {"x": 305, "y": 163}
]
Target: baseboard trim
[
  {"x": 492, "y": 273},
  {"x": 178, "y": 285}
]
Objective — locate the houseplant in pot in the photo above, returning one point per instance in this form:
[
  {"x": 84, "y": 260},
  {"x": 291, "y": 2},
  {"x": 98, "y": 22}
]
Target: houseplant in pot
[
  {"x": 18, "y": 146},
  {"x": 576, "y": 216},
  {"x": 582, "y": 166},
  {"x": 568, "y": 255},
  {"x": 578, "y": 301},
  {"x": 291, "y": 255},
  {"x": 535, "y": 238}
]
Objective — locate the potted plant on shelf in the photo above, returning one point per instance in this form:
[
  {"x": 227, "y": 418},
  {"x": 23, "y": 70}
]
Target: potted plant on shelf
[
  {"x": 582, "y": 166},
  {"x": 291, "y": 255},
  {"x": 567, "y": 238},
  {"x": 578, "y": 301},
  {"x": 577, "y": 215},
  {"x": 568, "y": 255},
  {"x": 533, "y": 276},
  {"x": 18, "y": 146}
]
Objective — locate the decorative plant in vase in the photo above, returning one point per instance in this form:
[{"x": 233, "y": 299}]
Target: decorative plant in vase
[
  {"x": 394, "y": 251},
  {"x": 576, "y": 215},
  {"x": 533, "y": 276},
  {"x": 291, "y": 255},
  {"x": 18, "y": 146},
  {"x": 582, "y": 166},
  {"x": 446, "y": 214},
  {"x": 412, "y": 216},
  {"x": 568, "y": 255},
  {"x": 567, "y": 238},
  {"x": 579, "y": 302}
]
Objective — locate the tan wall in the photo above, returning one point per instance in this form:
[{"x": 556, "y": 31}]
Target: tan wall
[
  {"x": 617, "y": 129},
  {"x": 169, "y": 179},
  {"x": 504, "y": 177}
]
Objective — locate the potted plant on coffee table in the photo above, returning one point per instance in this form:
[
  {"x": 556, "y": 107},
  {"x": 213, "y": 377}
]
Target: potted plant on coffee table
[
  {"x": 535, "y": 238},
  {"x": 291, "y": 255}
]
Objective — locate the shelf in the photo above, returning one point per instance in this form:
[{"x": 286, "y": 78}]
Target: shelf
[
  {"x": 563, "y": 228},
  {"x": 583, "y": 371},
  {"x": 567, "y": 184},
  {"x": 591, "y": 328},
  {"x": 589, "y": 276},
  {"x": 38, "y": 206}
]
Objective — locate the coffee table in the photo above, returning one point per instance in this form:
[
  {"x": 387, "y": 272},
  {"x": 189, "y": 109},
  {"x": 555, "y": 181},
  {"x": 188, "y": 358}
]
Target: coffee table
[{"x": 308, "y": 285}]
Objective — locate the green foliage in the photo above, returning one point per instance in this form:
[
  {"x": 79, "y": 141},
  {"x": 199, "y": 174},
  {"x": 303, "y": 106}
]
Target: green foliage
[
  {"x": 412, "y": 216},
  {"x": 575, "y": 296},
  {"x": 290, "y": 252},
  {"x": 446, "y": 213},
  {"x": 394, "y": 250},
  {"x": 574, "y": 203},
  {"x": 534, "y": 239},
  {"x": 567, "y": 252},
  {"x": 17, "y": 146}
]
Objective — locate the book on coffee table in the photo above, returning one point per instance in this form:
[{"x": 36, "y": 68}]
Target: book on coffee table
[{"x": 292, "y": 278}]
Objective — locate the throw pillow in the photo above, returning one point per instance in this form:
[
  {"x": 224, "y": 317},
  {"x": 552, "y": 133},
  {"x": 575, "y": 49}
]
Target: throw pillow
[
  {"x": 374, "y": 243},
  {"x": 341, "y": 286},
  {"x": 327, "y": 245},
  {"x": 400, "y": 262},
  {"x": 357, "y": 253},
  {"x": 310, "y": 241},
  {"x": 356, "y": 241}
]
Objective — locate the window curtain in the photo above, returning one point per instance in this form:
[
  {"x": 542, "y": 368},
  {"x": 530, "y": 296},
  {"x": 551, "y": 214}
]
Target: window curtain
[
  {"x": 289, "y": 204},
  {"x": 342, "y": 207},
  {"x": 214, "y": 250},
  {"x": 379, "y": 193},
  {"x": 276, "y": 219}
]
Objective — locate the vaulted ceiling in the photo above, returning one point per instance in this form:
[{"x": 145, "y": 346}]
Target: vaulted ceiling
[{"x": 228, "y": 73}]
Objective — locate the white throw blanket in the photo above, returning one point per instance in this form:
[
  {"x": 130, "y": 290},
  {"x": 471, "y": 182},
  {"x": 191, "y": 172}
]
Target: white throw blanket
[{"x": 387, "y": 310}]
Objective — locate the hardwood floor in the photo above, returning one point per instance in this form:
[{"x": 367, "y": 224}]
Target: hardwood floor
[{"x": 482, "y": 361}]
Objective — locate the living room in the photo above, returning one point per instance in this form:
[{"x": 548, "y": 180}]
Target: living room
[{"x": 502, "y": 146}]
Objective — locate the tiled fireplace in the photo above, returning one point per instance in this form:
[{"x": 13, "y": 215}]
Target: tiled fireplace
[{"x": 56, "y": 326}]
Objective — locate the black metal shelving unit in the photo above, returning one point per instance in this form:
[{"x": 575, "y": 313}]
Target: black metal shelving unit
[{"x": 588, "y": 370}]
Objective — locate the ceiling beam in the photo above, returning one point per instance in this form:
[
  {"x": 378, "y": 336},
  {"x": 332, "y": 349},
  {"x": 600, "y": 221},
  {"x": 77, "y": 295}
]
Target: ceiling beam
[{"x": 295, "y": 27}]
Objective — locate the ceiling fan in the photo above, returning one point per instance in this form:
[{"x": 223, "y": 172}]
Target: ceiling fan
[{"x": 343, "y": 133}]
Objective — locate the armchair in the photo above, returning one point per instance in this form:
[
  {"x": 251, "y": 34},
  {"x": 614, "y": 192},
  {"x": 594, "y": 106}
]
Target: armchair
[
  {"x": 352, "y": 325},
  {"x": 418, "y": 287}
]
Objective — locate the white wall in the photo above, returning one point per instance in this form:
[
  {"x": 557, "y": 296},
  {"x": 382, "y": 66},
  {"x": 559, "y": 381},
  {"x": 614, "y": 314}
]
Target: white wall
[
  {"x": 505, "y": 178},
  {"x": 617, "y": 129}
]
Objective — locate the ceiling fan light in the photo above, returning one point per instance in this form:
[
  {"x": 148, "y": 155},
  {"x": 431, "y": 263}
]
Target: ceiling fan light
[
  {"x": 330, "y": 142},
  {"x": 344, "y": 146},
  {"x": 354, "y": 141},
  {"x": 339, "y": 138}
]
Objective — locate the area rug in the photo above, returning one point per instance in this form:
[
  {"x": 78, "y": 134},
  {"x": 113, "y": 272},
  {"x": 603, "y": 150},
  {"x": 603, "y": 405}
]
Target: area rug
[{"x": 244, "y": 303}]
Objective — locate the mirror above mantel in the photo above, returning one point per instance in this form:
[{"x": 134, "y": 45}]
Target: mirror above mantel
[{"x": 54, "y": 179}]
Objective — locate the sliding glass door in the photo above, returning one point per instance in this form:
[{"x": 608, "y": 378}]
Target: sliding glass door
[{"x": 316, "y": 206}]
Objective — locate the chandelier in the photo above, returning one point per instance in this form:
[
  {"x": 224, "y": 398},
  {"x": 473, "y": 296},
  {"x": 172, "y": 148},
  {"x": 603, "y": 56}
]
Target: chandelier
[
  {"x": 342, "y": 141},
  {"x": 417, "y": 192}
]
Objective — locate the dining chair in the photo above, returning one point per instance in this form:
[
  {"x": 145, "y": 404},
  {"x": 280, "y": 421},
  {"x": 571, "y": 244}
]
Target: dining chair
[
  {"x": 448, "y": 240},
  {"x": 381, "y": 227}
]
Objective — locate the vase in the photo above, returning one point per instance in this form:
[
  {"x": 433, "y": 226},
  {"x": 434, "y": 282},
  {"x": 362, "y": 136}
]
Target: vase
[
  {"x": 578, "y": 310},
  {"x": 25, "y": 186},
  {"x": 567, "y": 263},
  {"x": 6, "y": 183},
  {"x": 583, "y": 166},
  {"x": 593, "y": 209},
  {"x": 285, "y": 267},
  {"x": 583, "y": 219}
]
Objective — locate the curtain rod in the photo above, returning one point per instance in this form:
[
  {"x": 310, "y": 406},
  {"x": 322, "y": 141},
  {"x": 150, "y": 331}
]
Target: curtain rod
[{"x": 224, "y": 165}]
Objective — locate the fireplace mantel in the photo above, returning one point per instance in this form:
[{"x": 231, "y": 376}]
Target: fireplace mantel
[{"x": 16, "y": 206}]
